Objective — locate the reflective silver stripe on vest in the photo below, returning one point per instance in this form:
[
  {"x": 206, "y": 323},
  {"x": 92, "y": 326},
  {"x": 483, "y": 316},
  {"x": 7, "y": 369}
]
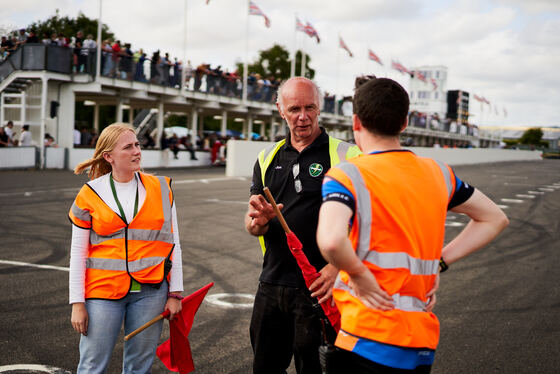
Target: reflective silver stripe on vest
[
  {"x": 406, "y": 303},
  {"x": 120, "y": 265},
  {"x": 342, "y": 150},
  {"x": 394, "y": 260},
  {"x": 162, "y": 235},
  {"x": 81, "y": 214},
  {"x": 447, "y": 177},
  {"x": 95, "y": 238},
  {"x": 363, "y": 200}
]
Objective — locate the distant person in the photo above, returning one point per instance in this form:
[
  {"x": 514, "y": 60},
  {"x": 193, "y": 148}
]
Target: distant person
[
  {"x": 382, "y": 225},
  {"x": 77, "y": 135},
  {"x": 125, "y": 256},
  {"x": 4, "y": 140},
  {"x": 25, "y": 137},
  {"x": 9, "y": 129},
  {"x": 85, "y": 137}
]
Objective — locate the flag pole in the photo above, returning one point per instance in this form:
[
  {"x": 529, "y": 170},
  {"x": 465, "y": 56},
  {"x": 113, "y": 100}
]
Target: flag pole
[
  {"x": 183, "y": 85},
  {"x": 303, "y": 58},
  {"x": 277, "y": 210},
  {"x": 143, "y": 327},
  {"x": 98, "y": 57},
  {"x": 245, "y": 63},
  {"x": 337, "y": 73},
  {"x": 293, "y": 64}
]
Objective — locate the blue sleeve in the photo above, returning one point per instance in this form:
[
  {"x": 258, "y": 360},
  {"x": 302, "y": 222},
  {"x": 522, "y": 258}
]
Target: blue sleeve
[
  {"x": 335, "y": 191},
  {"x": 463, "y": 192}
]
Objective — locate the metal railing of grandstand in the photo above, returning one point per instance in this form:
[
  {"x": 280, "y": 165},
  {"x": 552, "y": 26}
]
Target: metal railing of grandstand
[{"x": 120, "y": 66}]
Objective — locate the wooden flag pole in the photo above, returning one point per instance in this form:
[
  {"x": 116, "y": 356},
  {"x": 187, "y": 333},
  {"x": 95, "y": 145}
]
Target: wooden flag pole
[
  {"x": 143, "y": 327},
  {"x": 277, "y": 210}
]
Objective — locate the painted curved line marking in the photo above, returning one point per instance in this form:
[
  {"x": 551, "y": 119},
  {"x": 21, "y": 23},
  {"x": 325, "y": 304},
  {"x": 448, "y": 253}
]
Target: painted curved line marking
[
  {"x": 17, "y": 263},
  {"x": 536, "y": 192},
  {"x": 454, "y": 224},
  {"x": 216, "y": 299},
  {"x": 502, "y": 206},
  {"x": 40, "y": 368},
  {"x": 517, "y": 201},
  {"x": 525, "y": 196},
  {"x": 546, "y": 189}
]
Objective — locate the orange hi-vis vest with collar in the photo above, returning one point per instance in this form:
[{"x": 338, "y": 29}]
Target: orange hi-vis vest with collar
[
  {"x": 119, "y": 252},
  {"x": 398, "y": 233}
]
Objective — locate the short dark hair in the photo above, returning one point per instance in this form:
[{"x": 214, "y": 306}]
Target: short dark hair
[{"x": 381, "y": 105}]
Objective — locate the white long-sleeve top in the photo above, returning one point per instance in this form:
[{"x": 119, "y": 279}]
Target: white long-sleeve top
[{"x": 126, "y": 192}]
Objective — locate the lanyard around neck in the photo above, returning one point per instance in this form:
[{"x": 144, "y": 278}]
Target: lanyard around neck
[{"x": 119, "y": 203}]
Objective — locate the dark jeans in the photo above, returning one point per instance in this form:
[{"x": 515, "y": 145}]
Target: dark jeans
[
  {"x": 349, "y": 362},
  {"x": 283, "y": 325}
]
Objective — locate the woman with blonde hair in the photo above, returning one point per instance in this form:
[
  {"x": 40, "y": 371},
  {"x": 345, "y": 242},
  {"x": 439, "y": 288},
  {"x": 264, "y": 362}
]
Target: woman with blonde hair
[{"x": 125, "y": 262}]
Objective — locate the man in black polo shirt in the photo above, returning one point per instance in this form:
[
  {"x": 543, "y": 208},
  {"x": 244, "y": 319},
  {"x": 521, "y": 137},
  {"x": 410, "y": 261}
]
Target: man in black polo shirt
[{"x": 283, "y": 322}]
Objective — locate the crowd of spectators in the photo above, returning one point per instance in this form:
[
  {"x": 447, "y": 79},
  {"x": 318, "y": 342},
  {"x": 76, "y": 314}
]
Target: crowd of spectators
[{"x": 120, "y": 60}]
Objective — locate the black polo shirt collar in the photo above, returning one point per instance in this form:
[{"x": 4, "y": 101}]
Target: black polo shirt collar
[{"x": 319, "y": 141}]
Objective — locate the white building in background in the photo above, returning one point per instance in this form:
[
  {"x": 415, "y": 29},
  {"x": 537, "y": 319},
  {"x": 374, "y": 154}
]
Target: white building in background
[{"x": 431, "y": 96}]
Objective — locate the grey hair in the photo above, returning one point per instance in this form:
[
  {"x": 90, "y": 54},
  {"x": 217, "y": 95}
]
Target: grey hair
[{"x": 281, "y": 88}]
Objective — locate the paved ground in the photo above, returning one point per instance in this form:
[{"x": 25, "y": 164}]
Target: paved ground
[{"x": 499, "y": 309}]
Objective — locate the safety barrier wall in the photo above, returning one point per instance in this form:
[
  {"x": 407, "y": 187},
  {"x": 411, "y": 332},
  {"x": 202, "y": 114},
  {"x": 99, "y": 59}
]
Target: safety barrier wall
[
  {"x": 150, "y": 158},
  {"x": 241, "y": 155},
  {"x": 17, "y": 157}
]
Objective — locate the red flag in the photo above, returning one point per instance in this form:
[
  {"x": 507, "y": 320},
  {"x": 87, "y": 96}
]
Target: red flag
[
  {"x": 400, "y": 67},
  {"x": 421, "y": 76},
  {"x": 434, "y": 83},
  {"x": 343, "y": 45},
  {"x": 374, "y": 57},
  {"x": 175, "y": 352},
  {"x": 254, "y": 10},
  {"x": 309, "y": 275}
]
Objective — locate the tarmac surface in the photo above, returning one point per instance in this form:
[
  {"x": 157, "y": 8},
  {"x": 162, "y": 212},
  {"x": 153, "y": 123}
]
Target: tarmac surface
[{"x": 499, "y": 309}]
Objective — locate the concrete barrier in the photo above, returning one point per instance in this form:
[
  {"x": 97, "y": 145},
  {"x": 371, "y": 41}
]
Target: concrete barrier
[
  {"x": 17, "y": 157},
  {"x": 55, "y": 158},
  {"x": 241, "y": 155},
  {"x": 150, "y": 158}
]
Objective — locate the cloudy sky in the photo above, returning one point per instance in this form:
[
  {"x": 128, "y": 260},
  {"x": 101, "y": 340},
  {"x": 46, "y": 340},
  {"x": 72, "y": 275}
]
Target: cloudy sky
[{"x": 505, "y": 50}]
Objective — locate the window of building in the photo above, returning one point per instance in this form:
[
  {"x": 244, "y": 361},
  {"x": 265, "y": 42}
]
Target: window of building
[{"x": 436, "y": 95}]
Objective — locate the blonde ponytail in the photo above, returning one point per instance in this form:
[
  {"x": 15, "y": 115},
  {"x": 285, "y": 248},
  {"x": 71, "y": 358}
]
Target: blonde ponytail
[{"x": 108, "y": 138}]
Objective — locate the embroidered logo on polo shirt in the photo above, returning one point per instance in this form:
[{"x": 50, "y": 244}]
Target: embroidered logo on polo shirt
[{"x": 315, "y": 169}]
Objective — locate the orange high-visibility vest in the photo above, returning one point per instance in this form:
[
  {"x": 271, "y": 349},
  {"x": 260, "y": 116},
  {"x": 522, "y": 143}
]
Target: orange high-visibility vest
[
  {"x": 398, "y": 232},
  {"x": 119, "y": 252}
]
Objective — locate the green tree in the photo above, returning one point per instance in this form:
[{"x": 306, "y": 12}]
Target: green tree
[
  {"x": 532, "y": 136},
  {"x": 69, "y": 26},
  {"x": 276, "y": 61}
]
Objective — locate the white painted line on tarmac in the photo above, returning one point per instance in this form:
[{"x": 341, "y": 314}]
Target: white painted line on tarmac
[
  {"x": 525, "y": 196},
  {"x": 553, "y": 186},
  {"x": 546, "y": 189},
  {"x": 17, "y": 263},
  {"x": 536, "y": 192},
  {"x": 32, "y": 367},
  {"x": 207, "y": 180},
  {"x": 517, "y": 201},
  {"x": 454, "y": 224},
  {"x": 29, "y": 193},
  {"x": 502, "y": 206},
  {"x": 216, "y": 299},
  {"x": 227, "y": 201}
]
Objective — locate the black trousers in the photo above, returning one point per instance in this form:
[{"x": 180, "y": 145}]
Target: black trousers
[
  {"x": 349, "y": 362},
  {"x": 283, "y": 325}
]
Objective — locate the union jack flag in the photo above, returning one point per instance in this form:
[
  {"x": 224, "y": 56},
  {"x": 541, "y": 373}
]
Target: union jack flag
[
  {"x": 421, "y": 76},
  {"x": 374, "y": 57},
  {"x": 434, "y": 83},
  {"x": 308, "y": 29},
  {"x": 254, "y": 10},
  {"x": 343, "y": 45},
  {"x": 400, "y": 67},
  {"x": 478, "y": 98}
]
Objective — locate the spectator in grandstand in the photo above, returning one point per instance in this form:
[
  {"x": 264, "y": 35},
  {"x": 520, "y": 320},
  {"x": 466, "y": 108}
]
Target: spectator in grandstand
[
  {"x": 139, "y": 59},
  {"x": 21, "y": 37},
  {"x": 189, "y": 73},
  {"x": 155, "y": 76},
  {"x": 32, "y": 37},
  {"x": 200, "y": 72},
  {"x": 165, "y": 66},
  {"x": 63, "y": 41},
  {"x": 49, "y": 141},
  {"x": 46, "y": 39},
  {"x": 7, "y": 44},
  {"x": 4, "y": 140},
  {"x": 9, "y": 129},
  {"x": 25, "y": 137},
  {"x": 107, "y": 55},
  {"x": 177, "y": 71},
  {"x": 85, "y": 137},
  {"x": 125, "y": 62},
  {"x": 78, "y": 59},
  {"x": 187, "y": 143},
  {"x": 88, "y": 47}
]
